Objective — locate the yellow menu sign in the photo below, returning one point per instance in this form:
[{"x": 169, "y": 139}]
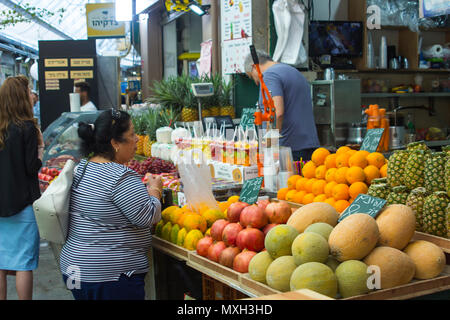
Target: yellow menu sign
[
  {"x": 56, "y": 75},
  {"x": 101, "y": 21},
  {"x": 86, "y": 62},
  {"x": 82, "y": 74},
  {"x": 52, "y": 63}
]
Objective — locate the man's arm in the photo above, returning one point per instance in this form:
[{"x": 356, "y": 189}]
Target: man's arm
[{"x": 279, "y": 110}]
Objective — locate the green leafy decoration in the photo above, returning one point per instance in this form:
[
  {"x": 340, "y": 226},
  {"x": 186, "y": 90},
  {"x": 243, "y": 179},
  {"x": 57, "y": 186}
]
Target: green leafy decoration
[{"x": 11, "y": 17}]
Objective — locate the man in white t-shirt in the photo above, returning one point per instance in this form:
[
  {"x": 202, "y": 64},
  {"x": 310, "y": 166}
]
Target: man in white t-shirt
[{"x": 84, "y": 89}]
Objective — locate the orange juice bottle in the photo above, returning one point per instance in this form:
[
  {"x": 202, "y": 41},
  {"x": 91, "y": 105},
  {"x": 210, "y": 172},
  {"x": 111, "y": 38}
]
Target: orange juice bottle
[
  {"x": 373, "y": 121},
  {"x": 384, "y": 143}
]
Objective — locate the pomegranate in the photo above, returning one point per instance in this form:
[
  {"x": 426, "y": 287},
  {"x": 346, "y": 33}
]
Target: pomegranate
[
  {"x": 234, "y": 211},
  {"x": 203, "y": 246},
  {"x": 242, "y": 260},
  {"x": 268, "y": 227},
  {"x": 254, "y": 216},
  {"x": 227, "y": 256},
  {"x": 215, "y": 250},
  {"x": 230, "y": 233},
  {"x": 263, "y": 203},
  {"x": 251, "y": 239},
  {"x": 217, "y": 229},
  {"x": 278, "y": 212}
]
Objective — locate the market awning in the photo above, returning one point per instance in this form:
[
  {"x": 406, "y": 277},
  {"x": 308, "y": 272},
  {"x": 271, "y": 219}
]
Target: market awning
[{"x": 72, "y": 25}]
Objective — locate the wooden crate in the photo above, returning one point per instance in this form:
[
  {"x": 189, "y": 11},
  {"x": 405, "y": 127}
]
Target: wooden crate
[
  {"x": 170, "y": 248},
  {"x": 201, "y": 263},
  {"x": 216, "y": 290}
]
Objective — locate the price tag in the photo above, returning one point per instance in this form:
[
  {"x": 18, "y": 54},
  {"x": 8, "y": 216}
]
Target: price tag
[
  {"x": 364, "y": 204},
  {"x": 372, "y": 140},
  {"x": 250, "y": 190},
  {"x": 248, "y": 118}
]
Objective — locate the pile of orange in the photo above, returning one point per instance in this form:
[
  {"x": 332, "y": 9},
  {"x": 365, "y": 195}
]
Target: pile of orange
[{"x": 335, "y": 178}]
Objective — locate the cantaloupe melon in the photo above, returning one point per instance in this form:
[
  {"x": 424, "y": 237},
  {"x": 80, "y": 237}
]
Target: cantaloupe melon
[
  {"x": 310, "y": 247},
  {"x": 324, "y": 229},
  {"x": 354, "y": 237},
  {"x": 352, "y": 278},
  {"x": 315, "y": 276},
  {"x": 428, "y": 258},
  {"x": 257, "y": 267},
  {"x": 396, "y": 267},
  {"x": 278, "y": 241},
  {"x": 332, "y": 263},
  {"x": 312, "y": 213},
  {"x": 396, "y": 224},
  {"x": 279, "y": 273}
]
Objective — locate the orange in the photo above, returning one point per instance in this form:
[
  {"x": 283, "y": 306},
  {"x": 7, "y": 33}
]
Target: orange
[
  {"x": 376, "y": 159},
  {"x": 319, "y": 156},
  {"x": 321, "y": 171},
  {"x": 318, "y": 187},
  {"x": 309, "y": 170},
  {"x": 342, "y": 150},
  {"x": 364, "y": 152},
  {"x": 233, "y": 199},
  {"x": 175, "y": 215},
  {"x": 320, "y": 198},
  {"x": 195, "y": 221},
  {"x": 341, "y": 205},
  {"x": 351, "y": 200},
  {"x": 290, "y": 195},
  {"x": 342, "y": 160},
  {"x": 340, "y": 174},
  {"x": 357, "y": 188},
  {"x": 330, "y": 161},
  {"x": 355, "y": 174},
  {"x": 292, "y": 181},
  {"x": 281, "y": 195},
  {"x": 309, "y": 185},
  {"x": 358, "y": 160},
  {"x": 224, "y": 206},
  {"x": 340, "y": 192},
  {"x": 330, "y": 201},
  {"x": 300, "y": 185},
  {"x": 371, "y": 172},
  {"x": 328, "y": 190},
  {"x": 330, "y": 175},
  {"x": 308, "y": 198},
  {"x": 351, "y": 152},
  {"x": 383, "y": 171},
  {"x": 298, "y": 198}
]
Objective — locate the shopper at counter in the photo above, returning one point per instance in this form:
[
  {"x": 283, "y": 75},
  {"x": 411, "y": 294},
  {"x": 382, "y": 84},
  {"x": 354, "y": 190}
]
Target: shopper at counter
[
  {"x": 292, "y": 98},
  {"x": 21, "y": 150},
  {"x": 84, "y": 89},
  {"x": 111, "y": 213}
]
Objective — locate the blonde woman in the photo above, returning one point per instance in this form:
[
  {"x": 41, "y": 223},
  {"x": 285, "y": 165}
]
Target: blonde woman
[{"x": 21, "y": 149}]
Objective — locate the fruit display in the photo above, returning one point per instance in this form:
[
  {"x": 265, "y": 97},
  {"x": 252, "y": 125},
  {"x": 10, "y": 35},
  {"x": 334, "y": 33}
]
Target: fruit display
[
  {"x": 333, "y": 259},
  {"x": 152, "y": 165},
  {"x": 46, "y": 176},
  {"x": 335, "y": 178}
]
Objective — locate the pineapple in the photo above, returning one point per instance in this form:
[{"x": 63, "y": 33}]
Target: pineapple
[
  {"x": 206, "y": 113},
  {"x": 434, "y": 167},
  {"x": 379, "y": 190},
  {"x": 447, "y": 173},
  {"x": 150, "y": 118},
  {"x": 379, "y": 181},
  {"x": 414, "y": 170},
  {"x": 215, "y": 111},
  {"x": 398, "y": 195},
  {"x": 415, "y": 201},
  {"x": 228, "y": 111},
  {"x": 396, "y": 168},
  {"x": 139, "y": 128},
  {"x": 189, "y": 114},
  {"x": 435, "y": 215},
  {"x": 419, "y": 145},
  {"x": 448, "y": 221},
  {"x": 225, "y": 100}
]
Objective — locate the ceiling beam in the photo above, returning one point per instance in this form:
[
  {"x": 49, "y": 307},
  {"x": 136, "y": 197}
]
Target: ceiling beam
[{"x": 37, "y": 20}]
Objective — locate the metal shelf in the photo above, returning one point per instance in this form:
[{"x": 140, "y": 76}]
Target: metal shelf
[{"x": 406, "y": 95}]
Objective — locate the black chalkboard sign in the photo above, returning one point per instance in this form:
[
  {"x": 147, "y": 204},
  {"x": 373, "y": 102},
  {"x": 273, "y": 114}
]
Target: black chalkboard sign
[
  {"x": 250, "y": 190},
  {"x": 372, "y": 140},
  {"x": 248, "y": 118},
  {"x": 364, "y": 204}
]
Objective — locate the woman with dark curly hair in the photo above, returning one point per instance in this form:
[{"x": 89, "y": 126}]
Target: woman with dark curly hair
[
  {"x": 111, "y": 212},
  {"x": 21, "y": 150}
]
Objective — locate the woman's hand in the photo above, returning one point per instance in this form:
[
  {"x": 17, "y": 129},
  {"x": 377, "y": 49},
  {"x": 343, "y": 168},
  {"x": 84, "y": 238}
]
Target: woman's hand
[{"x": 154, "y": 185}]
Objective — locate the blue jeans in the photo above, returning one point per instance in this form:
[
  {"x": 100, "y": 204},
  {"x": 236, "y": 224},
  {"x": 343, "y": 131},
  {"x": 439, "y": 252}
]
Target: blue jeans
[{"x": 126, "y": 288}]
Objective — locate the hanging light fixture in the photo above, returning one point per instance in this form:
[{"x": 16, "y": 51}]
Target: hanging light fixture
[{"x": 198, "y": 8}]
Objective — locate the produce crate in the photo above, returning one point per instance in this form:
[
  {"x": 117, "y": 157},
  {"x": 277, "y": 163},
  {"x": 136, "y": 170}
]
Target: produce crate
[
  {"x": 170, "y": 248},
  {"x": 216, "y": 290},
  {"x": 201, "y": 263}
]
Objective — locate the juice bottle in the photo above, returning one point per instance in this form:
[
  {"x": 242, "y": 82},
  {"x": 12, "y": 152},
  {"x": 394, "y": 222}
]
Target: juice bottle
[
  {"x": 373, "y": 121},
  {"x": 384, "y": 143}
]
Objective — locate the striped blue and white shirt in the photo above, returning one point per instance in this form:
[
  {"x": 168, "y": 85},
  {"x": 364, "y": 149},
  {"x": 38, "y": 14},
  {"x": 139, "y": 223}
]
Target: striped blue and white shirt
[{"x": 111, "y": 214}]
